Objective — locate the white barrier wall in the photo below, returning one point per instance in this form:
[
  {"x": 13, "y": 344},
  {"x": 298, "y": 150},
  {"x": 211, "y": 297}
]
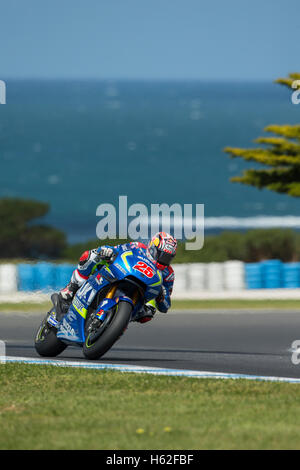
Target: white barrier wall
[
  {"x": 215, "y": 277},
  {"x": 197, "y": 276},
  {"x": 8, "y": 278},
  {"x": 234, "y": 275},
  {"x": 181, "y": 278},
  {"x": 209, "y": 277},
  {"x": 189, "y": 278}
]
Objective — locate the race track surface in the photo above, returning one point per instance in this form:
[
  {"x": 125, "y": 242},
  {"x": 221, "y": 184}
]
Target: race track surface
[{"x": 253, "y": 342}]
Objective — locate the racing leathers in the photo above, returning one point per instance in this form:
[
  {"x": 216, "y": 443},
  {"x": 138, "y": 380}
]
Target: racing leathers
[{"x": 96, "y": 258}]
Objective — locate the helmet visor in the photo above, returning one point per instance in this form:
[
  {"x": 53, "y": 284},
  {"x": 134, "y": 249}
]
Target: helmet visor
[{"x": 164, "y": 258}]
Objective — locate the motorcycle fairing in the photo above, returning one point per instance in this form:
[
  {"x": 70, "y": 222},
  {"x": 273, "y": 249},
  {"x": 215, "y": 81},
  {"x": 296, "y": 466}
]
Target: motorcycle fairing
[{"x": 71, "y": 327}]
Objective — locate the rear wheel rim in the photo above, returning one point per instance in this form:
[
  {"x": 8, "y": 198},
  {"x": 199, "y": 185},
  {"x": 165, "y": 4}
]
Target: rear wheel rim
[
  {"x": 44, "y": 329},
  {"x": 42, "y": 333}
]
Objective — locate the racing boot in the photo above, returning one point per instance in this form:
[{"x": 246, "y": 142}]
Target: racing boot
[
  {"x": 145, "y": 314},
  {"x": 66, "y": 296}
]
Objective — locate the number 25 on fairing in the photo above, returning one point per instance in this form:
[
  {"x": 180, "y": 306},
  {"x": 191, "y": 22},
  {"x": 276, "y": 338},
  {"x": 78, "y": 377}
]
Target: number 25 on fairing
[{"x": 143, "y": 268}]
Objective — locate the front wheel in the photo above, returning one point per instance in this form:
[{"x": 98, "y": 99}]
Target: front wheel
[
  {"x": 96, "y": 345},
  {"x": 46, "y": 343}
]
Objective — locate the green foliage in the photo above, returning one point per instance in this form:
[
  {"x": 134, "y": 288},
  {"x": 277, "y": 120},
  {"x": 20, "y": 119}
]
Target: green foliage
[
  {"x": 73, "y": 252},
  {"x": 282, "y": 154},
  {"x": 19, "y": 238},
  {"x": 44, "y": 241},
  {"x": 227, "y": 245},
  {"x": 214, "y": 248},
  {"x": 292, "y": 77},
  {"x": 271, "y": 244},
  {"x": 250, "y": 246}
]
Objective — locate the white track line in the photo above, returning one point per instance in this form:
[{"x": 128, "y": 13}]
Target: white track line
[{"x": 148, "y": 370}]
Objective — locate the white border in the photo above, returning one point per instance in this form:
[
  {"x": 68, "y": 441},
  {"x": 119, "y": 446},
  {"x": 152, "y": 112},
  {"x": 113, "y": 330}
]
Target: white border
[{"x": 149, "y": 370}]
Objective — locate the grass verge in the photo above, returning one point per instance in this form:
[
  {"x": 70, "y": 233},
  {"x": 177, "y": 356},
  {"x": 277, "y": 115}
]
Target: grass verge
[
  {"x": 47, "y": 407},
  {"x": 177, "y": 305},
  {"x": 25, "y": 306},
  {"x": 237, "y": 304}
]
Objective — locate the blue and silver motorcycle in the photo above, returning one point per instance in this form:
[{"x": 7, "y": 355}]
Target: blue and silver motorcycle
[{"x": 102, "y": 308}]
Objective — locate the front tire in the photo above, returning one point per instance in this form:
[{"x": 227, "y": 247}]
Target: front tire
[
  {"x": 46, "y": 343},
  {"x": 94, "y": 350}
]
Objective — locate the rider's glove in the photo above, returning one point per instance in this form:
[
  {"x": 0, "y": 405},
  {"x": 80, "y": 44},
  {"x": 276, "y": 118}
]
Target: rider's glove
[
  {"x": 162, "y": 294},
  {"x": 105, "y": 253}
]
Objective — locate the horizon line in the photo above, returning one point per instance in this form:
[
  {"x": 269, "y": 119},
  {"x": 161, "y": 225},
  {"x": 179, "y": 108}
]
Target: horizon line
[{"x": 141, "y": 79}]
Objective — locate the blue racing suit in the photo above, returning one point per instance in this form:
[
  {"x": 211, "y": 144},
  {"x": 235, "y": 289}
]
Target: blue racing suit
[{"x": 90, "y": 261}]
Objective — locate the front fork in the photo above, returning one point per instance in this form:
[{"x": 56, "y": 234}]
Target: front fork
[
  {"x": 110, "y": 301},
  {"x": 72, "y": 326}
]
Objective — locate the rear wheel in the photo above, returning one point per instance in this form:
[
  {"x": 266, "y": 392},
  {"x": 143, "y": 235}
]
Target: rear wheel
[
  {"x": 100, "y": 339},
  {"x": 46, "y": 343}
]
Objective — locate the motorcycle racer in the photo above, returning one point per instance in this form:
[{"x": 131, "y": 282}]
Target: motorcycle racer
[{"x": 161, "y": 250}]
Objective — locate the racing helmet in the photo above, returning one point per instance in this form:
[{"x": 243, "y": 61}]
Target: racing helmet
[{"x": 162, "y": 249}]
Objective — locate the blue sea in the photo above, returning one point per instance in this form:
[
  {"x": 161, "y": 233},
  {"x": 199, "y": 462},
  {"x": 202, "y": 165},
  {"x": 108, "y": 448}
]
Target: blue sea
[{"x": 77, "y": 144}]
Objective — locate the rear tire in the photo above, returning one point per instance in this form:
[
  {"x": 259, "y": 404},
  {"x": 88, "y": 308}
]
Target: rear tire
[
  {"x": 46, "y": 343},
  {"x": 111, "y": 334}
]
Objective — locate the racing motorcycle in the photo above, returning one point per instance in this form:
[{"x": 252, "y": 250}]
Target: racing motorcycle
[{"x": 102, "y": 308}]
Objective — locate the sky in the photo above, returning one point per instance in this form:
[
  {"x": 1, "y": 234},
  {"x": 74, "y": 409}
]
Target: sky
[{"x": 149, "y": 39}]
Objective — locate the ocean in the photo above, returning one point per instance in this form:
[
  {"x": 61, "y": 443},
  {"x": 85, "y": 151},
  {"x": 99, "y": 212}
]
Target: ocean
[{"x": 78, "y": 144}]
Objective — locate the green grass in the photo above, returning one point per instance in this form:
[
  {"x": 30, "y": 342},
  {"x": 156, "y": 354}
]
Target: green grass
[
  {"x": 236, "y": 303},
  {"x": 25, "y": 306},
  {"x": 46, "y": 407},
  {"x": 176, "y": 305}
]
